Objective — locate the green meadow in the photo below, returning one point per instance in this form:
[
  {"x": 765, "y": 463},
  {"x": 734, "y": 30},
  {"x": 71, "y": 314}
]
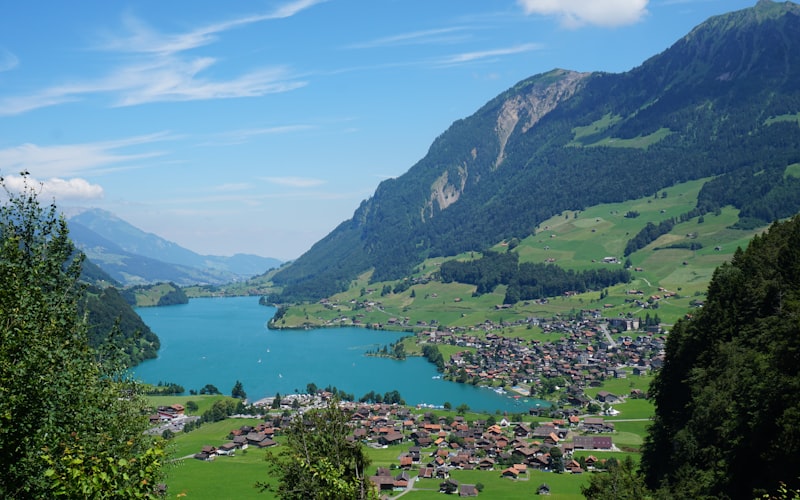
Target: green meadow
[
  {"x": 235, "y": 477},
  {"x": 576, "y": 240}
]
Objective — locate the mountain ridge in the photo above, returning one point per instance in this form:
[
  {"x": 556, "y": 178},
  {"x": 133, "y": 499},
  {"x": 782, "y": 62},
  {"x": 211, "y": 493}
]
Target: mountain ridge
[
  {"x": 133, "y": 256},
  {"x": 702, "y": 108}
]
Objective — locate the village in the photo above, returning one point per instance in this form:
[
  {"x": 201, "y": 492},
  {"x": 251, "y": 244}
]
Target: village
[{"x": 583, "y": 353}]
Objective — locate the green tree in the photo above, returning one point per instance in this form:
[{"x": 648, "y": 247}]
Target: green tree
[
  {"x": 621, "y": 482},
  {"x": 462, "y": 408},
  {"x": 70, "y": 424},
  {"x": 727, "y": 390},
  {"x": 318, "y": 460},
  {"x": 238, "y": 391},
  {"x": 209, "y": 389}
]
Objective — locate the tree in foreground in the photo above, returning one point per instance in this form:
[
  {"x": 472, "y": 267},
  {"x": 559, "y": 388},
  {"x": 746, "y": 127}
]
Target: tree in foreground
[
  {"x": 622, "y": 481},
  {"x": 726, "y": 405},
  {"x": 318, "y": 460},
  {"x": 70, "y": 424}
]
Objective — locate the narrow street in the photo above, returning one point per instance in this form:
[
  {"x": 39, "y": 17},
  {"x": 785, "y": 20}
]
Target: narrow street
[{"x": 604, "y": 328}]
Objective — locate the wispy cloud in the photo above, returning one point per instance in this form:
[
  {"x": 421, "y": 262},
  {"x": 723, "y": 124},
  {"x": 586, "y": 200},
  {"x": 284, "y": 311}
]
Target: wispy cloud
[
  {"x": 297, "y": 182},
  {"x": 441, "y": 35},
  {"x": 142, "y": 39},
  {"x": 75, "y": 159},
  {"x": 56, "y": 188},
  {"x": 232, "y": 187},
  {"x": 234, "y": 137},
  {"x": 467, "y": 57},
  {"x": 576, "y": 13},
  {"x": 8, "y": 61},
  {"x": 163, "y": 72}
]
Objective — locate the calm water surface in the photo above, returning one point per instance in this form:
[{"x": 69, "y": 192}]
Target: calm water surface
[{"x": 221, "y": 340}]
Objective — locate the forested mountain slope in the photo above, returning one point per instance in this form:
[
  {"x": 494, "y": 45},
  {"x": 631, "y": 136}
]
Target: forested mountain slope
[
  {"x": 112, "y": 323},
  {"x": 722, "y": 101},
  {"x": 726, "y": 398}
]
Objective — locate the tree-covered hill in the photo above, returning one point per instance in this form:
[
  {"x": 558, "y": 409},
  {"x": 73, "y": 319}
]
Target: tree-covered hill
[
  {"x": 726, "y": 423},
  {"x": 722, "y": 102},
  {"x": 113, "y": 322}
]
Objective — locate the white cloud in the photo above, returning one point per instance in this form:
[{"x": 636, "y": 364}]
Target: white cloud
[
  {"x": 298, "y": 182},
  {"x": 73, "y": 159},
  {"x": 575, "y": 13},
  {"x": 487, "y": 54},
  {"x": 56, "y": 188},
  {"x": 22, "y": 104}
]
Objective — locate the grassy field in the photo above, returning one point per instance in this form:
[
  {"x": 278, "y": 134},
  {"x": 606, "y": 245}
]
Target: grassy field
[
  {"x": 235, "y": 477},
  {"x": 574, "y": 240},
  {"x": 204, "y": 402},
  {"x": 224, "y": 478}
]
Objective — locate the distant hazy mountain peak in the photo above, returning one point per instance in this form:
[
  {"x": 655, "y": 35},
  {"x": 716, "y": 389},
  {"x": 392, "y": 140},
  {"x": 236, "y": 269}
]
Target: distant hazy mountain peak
[{"x": 131, "y": 255}]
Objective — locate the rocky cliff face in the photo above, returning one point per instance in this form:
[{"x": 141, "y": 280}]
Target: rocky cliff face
[
  {"x": 517, "y": 112},
  {"x": 536, "y": 102}
]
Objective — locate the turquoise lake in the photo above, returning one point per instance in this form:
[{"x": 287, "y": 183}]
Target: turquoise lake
[{"x": 221, "y": 340}]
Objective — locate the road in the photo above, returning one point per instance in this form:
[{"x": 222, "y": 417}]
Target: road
[{"x": 604, "y": 329}]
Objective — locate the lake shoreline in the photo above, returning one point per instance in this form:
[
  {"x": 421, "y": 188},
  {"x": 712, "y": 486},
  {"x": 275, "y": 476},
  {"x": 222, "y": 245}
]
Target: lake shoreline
[{"x": 220, "y": 341}]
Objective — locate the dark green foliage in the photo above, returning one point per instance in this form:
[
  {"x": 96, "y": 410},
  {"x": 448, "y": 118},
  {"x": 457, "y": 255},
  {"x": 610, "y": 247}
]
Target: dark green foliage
[
  {"x": 92, "y": 273},
  {"x": 68, "y": 416},
  {"x": 209, "y": 389},
  {"x": 527, "y": 281},
  {"x": 536, "y": 281},
  {"x": 621, "y": 482},
  {"x": 433, "y": 355},
  {"x": 390, "y": 397},
  {"x": 339, "y": 394},
  {"x": 648, "y": 234},
  {"x": 487, "y": 272},
  {"x": 726, "y": 407},
  {"x": 448, "y": 487},
  {"x": 165, "y": 389},
  {"x": 684, "y": 245},
  {"x": 174, "y": 295},
  {"x": 319, "y": 461},
  {"x": 221, "y": 410},
  {"x": 238, "y": 391},
  {"x": 710, "y": 97},
  {"x": 106, "y": 309},
  {"x": 761, "y": 190}
]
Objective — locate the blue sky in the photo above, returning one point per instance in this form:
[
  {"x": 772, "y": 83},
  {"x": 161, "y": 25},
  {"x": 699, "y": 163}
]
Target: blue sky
[{"x": 259, "y": 126}]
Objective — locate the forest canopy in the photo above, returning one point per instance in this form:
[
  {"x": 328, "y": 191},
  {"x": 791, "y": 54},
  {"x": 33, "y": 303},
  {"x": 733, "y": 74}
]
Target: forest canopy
[{"x": 726, "y": 408}]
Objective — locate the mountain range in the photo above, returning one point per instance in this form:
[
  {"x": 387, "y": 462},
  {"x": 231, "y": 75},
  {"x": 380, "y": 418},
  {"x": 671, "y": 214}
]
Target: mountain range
[
  {"x": 721, "y": 103},
  {"x": 132, "y": 256}
]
